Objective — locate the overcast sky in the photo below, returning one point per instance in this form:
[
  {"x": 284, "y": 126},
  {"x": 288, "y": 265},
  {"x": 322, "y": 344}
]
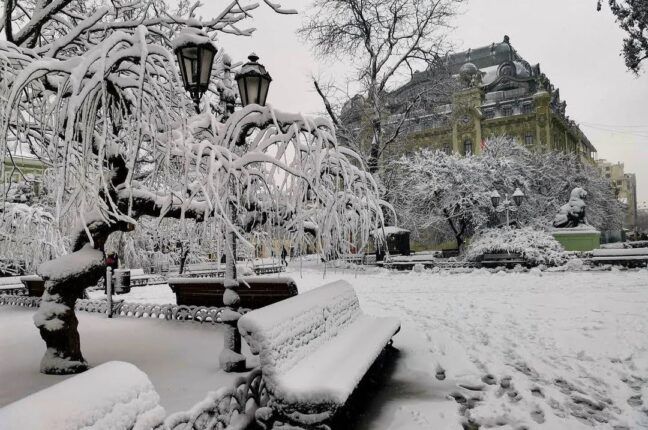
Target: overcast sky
[{"x": 577, "y": 48}]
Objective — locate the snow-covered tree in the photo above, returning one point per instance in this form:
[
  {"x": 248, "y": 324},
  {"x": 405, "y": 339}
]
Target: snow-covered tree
[
  {"x": 432, "y": 189},
  {"x": 632, "y": 16},
  {"x": 385, "y": 40},
  {"x": 29, "y": 236},
  {"x": 95, "y": 91},
  {"x": 451, "y": 194}
]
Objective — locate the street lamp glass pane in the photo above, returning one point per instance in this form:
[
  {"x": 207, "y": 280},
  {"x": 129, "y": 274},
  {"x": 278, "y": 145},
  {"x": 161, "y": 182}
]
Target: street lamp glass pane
[
  {"x": 252, "y": 87},
  {"x": 263, "y": 93},
  {"x": 518, "y": 199},
  {"x": 190, "y": 55},
  {"x": 242, "y": 91},
  {"x": 206, "y": 66},
  {"x": 495, "y": 199}
]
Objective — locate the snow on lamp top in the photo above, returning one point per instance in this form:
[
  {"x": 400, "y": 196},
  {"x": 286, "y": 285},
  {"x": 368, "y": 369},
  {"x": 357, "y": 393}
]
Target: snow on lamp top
[
  {"x": 518, "y": 195},
  {"x": 253, "y": 81},
  {"x": 495, "y": 198},
  {"x": 195, "y": 52}
]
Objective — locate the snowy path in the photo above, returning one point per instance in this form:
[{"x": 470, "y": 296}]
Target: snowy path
[
  {"x": 566, "y": 350},
  {"x": 506, "y": 351}
]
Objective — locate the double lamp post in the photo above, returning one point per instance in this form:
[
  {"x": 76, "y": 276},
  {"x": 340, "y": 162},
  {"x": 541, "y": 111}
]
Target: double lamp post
[
  {"x": 507, "y": 205},
  {"x": 195, "y": 53}
]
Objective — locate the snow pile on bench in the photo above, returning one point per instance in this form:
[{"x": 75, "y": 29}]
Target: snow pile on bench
[
  {"x": 315, "y": 348},
  {"x": 113, "y": 396}
]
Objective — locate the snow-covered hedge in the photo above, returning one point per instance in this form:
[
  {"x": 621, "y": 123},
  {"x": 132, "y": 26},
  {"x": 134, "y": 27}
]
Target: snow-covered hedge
[{"x": 537, "y": 246}]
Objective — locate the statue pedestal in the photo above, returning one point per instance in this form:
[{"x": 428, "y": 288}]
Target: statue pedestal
[{"x": 581, "y": 238}]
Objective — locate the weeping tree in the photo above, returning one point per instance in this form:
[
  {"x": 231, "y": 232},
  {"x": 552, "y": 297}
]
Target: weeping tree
[
  {"x": 29, "y": 235},
  {"x": 95, "y": 91}
]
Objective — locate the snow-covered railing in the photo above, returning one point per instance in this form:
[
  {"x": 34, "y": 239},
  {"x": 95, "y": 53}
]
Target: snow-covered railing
[
  {"x": 167, "y": 312},
  {"x": 13, "y": 290},
  {"x": 231, "y": 408},
  {"x": 19, "y": 300}
]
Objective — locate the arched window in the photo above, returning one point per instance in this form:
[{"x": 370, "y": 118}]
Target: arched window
[{"x": 468, "y": 147}]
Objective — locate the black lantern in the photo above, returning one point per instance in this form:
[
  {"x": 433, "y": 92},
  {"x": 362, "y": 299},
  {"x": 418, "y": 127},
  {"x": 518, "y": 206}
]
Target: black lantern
[
  {"x": 518, "y": 195},
  {"x": 253, "y": 81},
  {"x": 495, "y": 198},
  {"x": 195, "y": 54}
]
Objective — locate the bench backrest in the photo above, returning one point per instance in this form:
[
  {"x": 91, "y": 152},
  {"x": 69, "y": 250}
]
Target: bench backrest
[{"x": 287, "y": 331}]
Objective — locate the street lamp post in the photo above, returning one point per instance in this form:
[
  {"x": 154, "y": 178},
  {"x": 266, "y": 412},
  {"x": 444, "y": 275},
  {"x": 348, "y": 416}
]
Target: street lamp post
[
  {"x": 507, "y": 205},
  {"x": 195, "y": 58}
]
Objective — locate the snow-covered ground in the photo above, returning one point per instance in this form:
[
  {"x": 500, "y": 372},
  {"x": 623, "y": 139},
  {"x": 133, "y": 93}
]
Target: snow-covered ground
[{"x": 561, "y": 350}]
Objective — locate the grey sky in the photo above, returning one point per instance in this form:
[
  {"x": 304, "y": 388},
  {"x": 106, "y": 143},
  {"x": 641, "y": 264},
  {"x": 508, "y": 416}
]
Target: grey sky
[{"x": 577, "y": 48}]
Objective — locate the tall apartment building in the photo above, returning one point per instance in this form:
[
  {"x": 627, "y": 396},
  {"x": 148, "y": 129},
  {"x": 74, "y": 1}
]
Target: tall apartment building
[{"x": 625, "y": 186}]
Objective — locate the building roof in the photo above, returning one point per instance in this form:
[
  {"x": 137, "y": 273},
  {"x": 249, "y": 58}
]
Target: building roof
[{"x": 484, "y": 56}]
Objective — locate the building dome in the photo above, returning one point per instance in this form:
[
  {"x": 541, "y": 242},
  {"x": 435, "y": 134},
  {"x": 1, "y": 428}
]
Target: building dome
[{"x": 467, "y": 72}]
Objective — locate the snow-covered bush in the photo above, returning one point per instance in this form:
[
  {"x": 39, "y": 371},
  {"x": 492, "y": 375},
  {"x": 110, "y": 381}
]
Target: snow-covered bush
[
  {"x": 537, "y": 246},
  {"x": 448, "y": 195}
]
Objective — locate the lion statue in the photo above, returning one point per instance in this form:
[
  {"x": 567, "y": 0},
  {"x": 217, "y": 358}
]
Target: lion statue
[{"x": 572, "y": 213}]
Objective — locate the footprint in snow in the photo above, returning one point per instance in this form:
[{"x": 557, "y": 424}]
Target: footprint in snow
[{"x": 537, "y": 415}]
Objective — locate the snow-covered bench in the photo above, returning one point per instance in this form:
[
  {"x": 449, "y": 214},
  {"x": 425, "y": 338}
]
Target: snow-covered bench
[
  {"x": 314, "y": 350},
  {"x": 115, "y": 395},
  {"x": 266, "y": 268},
  {"x": 35, "y": 285},
  {"x": 140, "y": 279},
  {"x": 254, "y": 291},
  {"x": 353, "y": 258},
  {"x": 199, "y": 270},
  {"x": 12, "y": 285},
  {"x": 628, "y": 257},
  {"x": 508, "y": 259}
]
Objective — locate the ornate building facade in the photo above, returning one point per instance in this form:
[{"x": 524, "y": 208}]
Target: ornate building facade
[{"x": 491, "y": 91}]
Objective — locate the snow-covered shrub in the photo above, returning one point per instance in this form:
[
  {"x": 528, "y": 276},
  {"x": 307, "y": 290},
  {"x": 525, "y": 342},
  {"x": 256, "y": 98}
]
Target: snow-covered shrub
[
  {"x": 575, "y": 264},
  {"x": 418, "y": 268},
  {"x": 536, "y": 246}
]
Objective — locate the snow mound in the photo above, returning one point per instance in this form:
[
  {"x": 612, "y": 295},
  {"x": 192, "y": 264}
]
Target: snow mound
[{"x": 113, "y": 396}]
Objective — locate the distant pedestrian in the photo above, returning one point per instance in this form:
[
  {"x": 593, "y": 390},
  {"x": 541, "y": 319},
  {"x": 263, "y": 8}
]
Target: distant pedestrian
[{"x": 284, "y": 254}]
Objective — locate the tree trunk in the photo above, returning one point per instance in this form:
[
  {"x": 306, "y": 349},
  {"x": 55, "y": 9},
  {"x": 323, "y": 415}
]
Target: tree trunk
[{"x": 55, "y": 317}]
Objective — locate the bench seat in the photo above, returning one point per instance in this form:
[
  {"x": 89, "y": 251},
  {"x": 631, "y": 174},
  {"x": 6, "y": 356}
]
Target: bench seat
[{"x": 331, "y": 374}]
